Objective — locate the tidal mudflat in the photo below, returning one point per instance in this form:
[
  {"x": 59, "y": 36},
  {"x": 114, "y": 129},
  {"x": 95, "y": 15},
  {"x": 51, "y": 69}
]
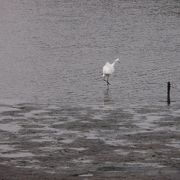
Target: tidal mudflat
[
  {"x": 58, "y": 119},
  {"x": 51, "y": 142}
]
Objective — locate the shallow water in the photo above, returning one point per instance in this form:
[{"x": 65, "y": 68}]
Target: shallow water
[
  {"x": 55, "y": 109},
  {"x": 75, "y": 140},
  {"x": 53, "y": 51}
]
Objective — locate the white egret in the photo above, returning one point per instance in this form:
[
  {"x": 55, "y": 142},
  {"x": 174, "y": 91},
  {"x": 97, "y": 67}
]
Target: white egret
[{"x": 108, "y": 69}]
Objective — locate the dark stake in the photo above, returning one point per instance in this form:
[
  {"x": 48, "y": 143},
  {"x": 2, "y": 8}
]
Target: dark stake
[{"x": 168, "y": 93}]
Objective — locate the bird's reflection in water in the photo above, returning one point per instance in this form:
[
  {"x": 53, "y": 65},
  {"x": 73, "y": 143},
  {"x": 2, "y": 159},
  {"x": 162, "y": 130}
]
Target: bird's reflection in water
[{"x": 108, "y": 101}]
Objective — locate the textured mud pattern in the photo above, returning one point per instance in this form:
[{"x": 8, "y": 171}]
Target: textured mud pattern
[{"x": 89, "y": 142}]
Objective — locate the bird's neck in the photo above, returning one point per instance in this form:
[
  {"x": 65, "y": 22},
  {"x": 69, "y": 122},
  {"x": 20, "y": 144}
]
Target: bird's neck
[
  {"x": 113, "y": 63},
  {"x": 116, "y": 60}
]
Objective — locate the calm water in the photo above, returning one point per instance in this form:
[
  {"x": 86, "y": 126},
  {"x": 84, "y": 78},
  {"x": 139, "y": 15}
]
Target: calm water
[{"x": 52, "y": 51}]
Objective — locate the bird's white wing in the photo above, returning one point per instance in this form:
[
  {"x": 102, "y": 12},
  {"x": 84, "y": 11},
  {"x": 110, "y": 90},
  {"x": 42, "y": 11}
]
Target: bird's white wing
[{"x": 108, "y": 69}]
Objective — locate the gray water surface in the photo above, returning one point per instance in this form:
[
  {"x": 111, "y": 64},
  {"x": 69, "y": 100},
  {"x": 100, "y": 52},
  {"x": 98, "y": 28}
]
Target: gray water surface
[
  {"x": 56, "y": 113},
  {"x": 53, "y": 51}
]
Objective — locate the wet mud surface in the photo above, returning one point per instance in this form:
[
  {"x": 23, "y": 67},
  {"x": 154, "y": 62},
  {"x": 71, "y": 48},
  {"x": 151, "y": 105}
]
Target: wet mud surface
[{"x": 51, "y": 142}]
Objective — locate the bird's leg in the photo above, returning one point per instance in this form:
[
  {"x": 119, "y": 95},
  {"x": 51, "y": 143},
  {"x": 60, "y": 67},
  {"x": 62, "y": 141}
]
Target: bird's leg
[
  {"x": 108, "y": 81},
  {"x": 104, "y": 78}
]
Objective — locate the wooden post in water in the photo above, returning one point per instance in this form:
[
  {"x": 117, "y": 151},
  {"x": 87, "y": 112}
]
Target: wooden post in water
[{"x": 168, "y": 93}]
